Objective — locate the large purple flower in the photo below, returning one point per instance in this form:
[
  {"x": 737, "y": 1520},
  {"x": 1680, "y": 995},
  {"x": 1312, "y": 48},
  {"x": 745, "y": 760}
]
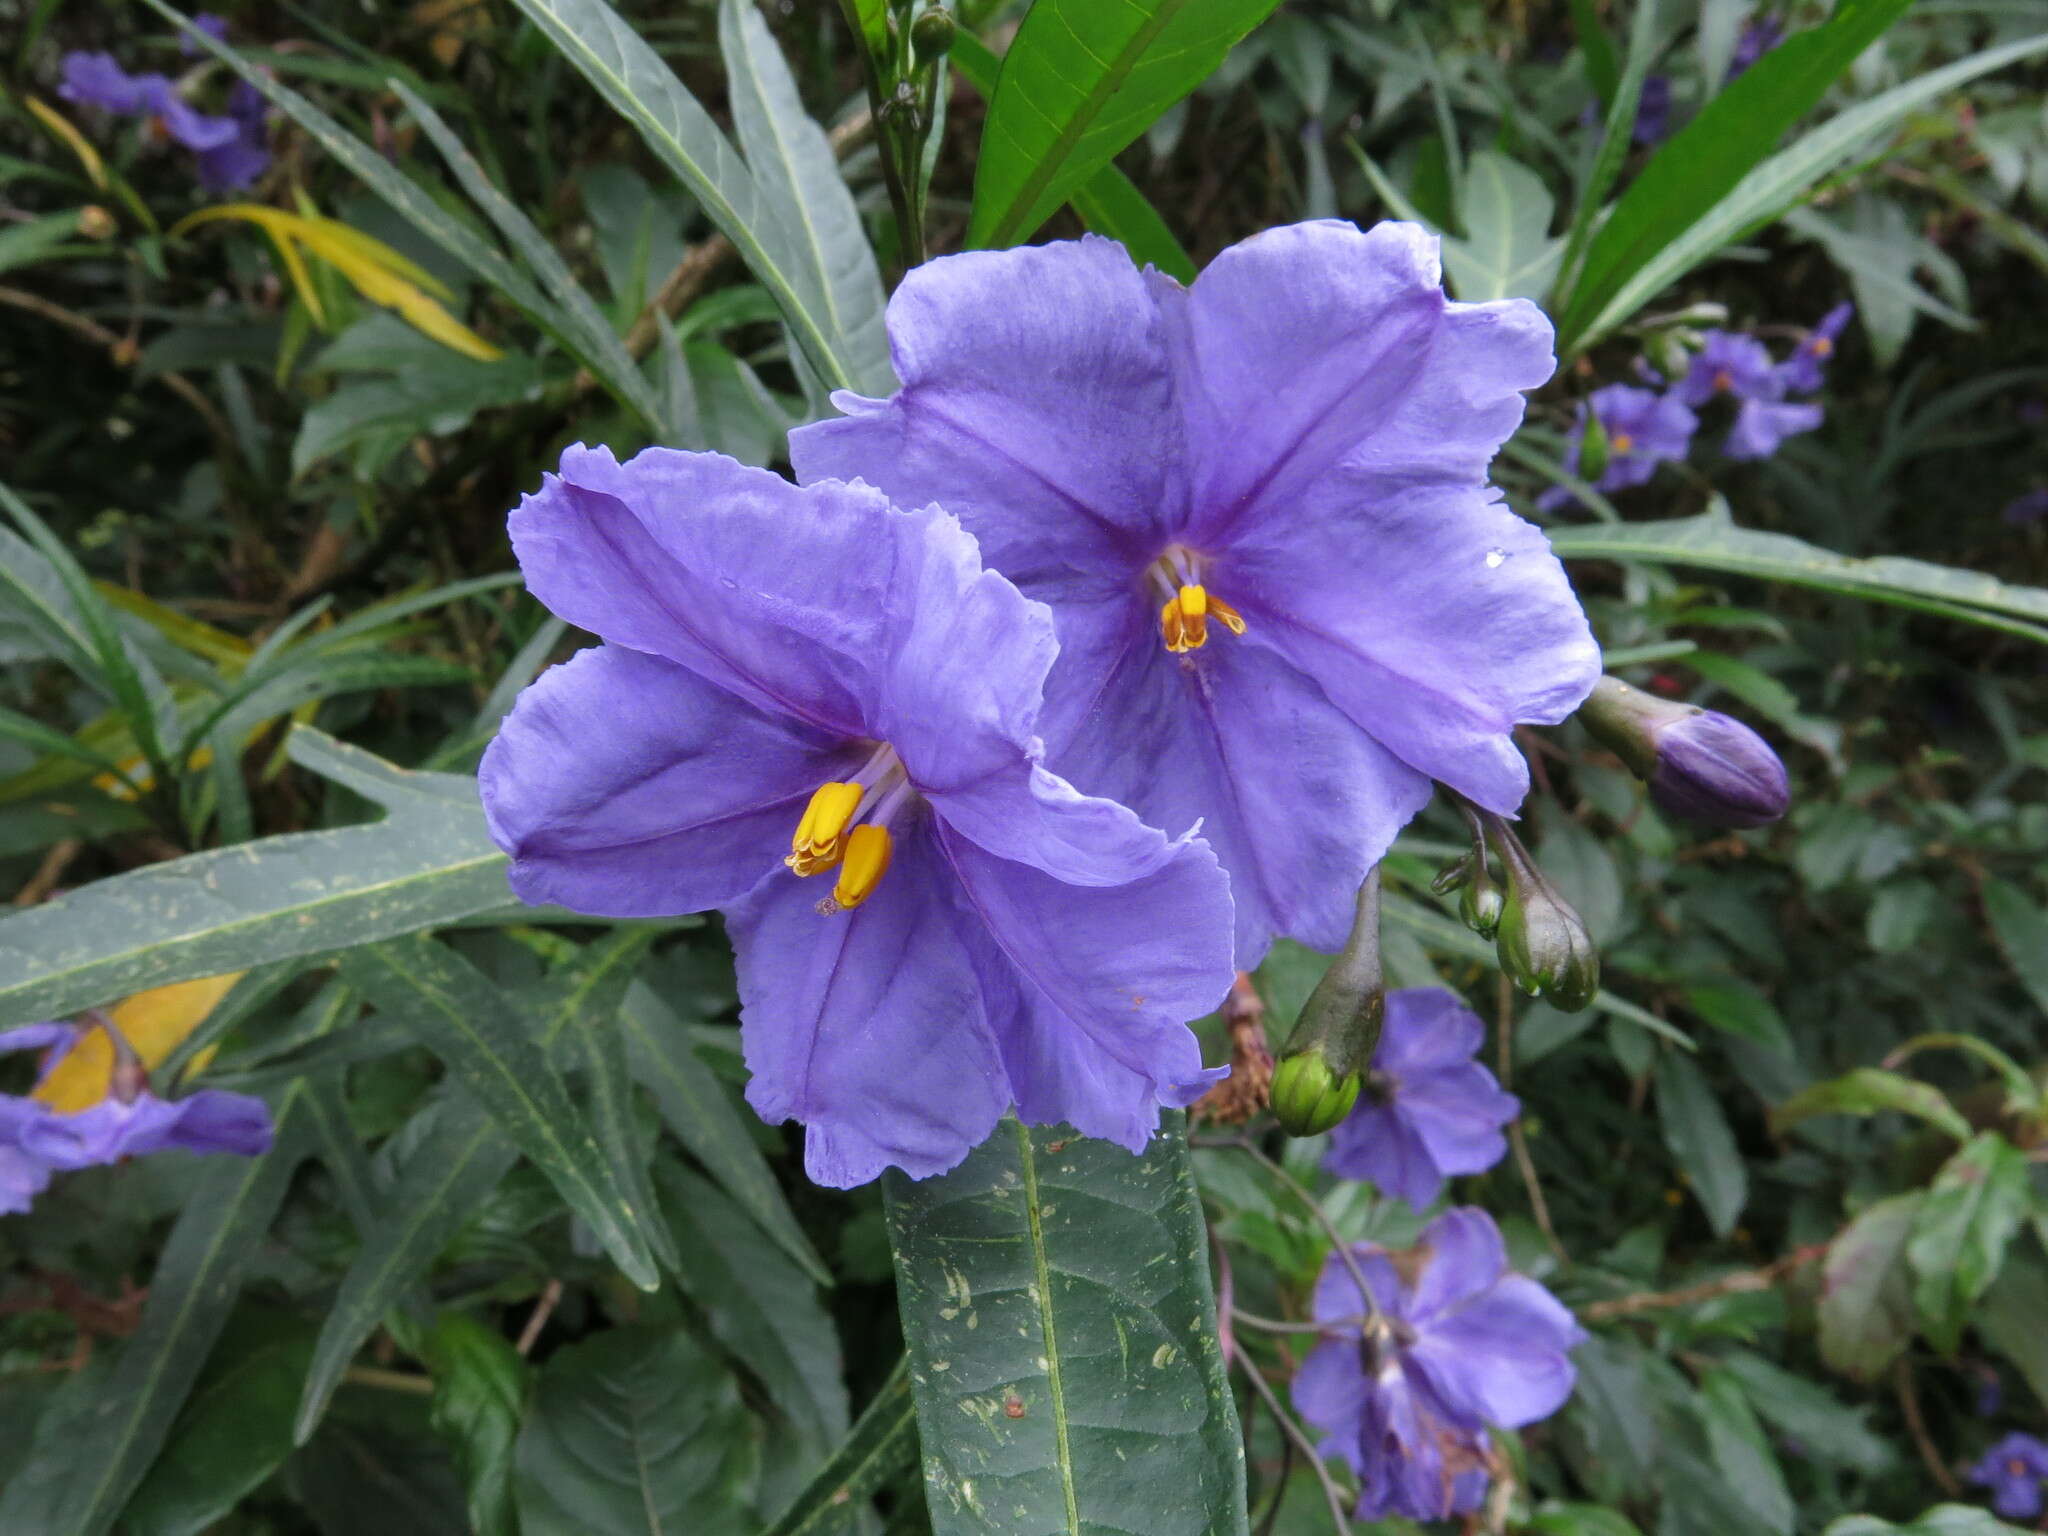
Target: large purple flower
[
  {"x": 130, "y": 1121},
  {"x": 2013, "y": 1469},
  {"x": 1405, "y": 1387},
  {"x": 802, "y": 681},
  {"x": 1643, "y": 429},
  {"x": 1429, "y": 1110},
  {"x": 1287, "y": 597}
]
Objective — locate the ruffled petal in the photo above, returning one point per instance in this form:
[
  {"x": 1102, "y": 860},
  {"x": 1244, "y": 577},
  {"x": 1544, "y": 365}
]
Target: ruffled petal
[
  {"x": 1335, "y": 1302},
  {"x": 1034, "y": 817},
  {"x": 1037, "y": 407},
  {"x": 1502, "y": 1358},
  {"x": 1103, "y": 975},
  {"x": 869, "y": 1026},
  {"x": 777, "y": 594},
  {"x": 627, "y": 786},
  {"x": 207, "y": 1121},
  {"x": 1436, "y": 619},
  {"x": 1458, "y": 1113},
  {"x": 1466, "y": 1256},
  {"x": 1427, "y": 1027},
  {"x": 1319, "y": 344},
  {"x": 1297, "y": 801},
  {"x": 36, "y": 1037}
]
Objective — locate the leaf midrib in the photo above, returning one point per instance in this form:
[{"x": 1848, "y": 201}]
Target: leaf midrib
[{"x": 1055, "y": 1385}]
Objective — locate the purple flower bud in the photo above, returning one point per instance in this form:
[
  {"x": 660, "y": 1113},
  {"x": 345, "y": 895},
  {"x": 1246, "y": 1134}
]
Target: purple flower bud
[{"x": 1700, "y": 764}]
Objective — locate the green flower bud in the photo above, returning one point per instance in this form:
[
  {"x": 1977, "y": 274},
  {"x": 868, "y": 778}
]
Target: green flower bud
[
  {"x": 1544, "y": 948},
  {"x": 1592, "y": 448},
  {"x": 1480, "y": 904},
  {"x": 932, "y": 34},
  {"x": 1452, "y": 876},
  {"x": 1309, "y": 1098}
]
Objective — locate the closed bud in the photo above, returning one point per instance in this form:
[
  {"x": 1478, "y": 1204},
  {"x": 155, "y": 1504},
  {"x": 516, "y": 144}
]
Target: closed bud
[
  {"x": 95, "y": 223},
  {"x": 1706, "y": 313},
  {"x": 1480, "y": 904},
  {"x": 932, "y": 34},
  {"x": 1544, "y": 948},
  {"x": 1700, "y": 764},
  {"x": 1593, "y": 448},
  {"x": 1308, "y": 1097}
]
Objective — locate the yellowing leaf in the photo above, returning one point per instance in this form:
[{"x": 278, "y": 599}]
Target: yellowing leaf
[
  {"x": 155, "y": 1023},
  {"x": 61, "y": 126},
  {"x": 227, "y": 651},
  {"x": 378, "y": 254}
]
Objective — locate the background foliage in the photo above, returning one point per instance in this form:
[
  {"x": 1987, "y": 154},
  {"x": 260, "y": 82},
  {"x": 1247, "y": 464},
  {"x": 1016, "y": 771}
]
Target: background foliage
[{"x": 520, "y": 1259}]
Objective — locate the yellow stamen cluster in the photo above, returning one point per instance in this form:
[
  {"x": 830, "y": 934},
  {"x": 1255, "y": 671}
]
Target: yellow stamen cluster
[
  {"x": 1621, "y": 442},
  {"x": 1821, "y": 346},
  {"x": 1184, "y": 621},
  {"x": 820, "y": 840},
  {"x": 868, "y": 851}
]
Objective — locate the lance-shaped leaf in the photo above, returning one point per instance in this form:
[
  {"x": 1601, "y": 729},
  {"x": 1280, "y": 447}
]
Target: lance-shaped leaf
[
  {"x": 881, "y": 1445},
  {"x": 1961, "y": 1232},
  {"x": 1866, "y": 1302},
  {"x": 1867, "y": 1090},
  {"x": 1082, "y": 80},
  {"x": 430, "y": 861},
  {"x": 1062, "y": 1334},
  {"x": 490, "y": 1042},
  {"x": 92, "y": 1450}
]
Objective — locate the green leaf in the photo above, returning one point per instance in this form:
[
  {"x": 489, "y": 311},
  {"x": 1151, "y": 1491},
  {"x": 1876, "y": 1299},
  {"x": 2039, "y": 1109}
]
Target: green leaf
[
  {"x": 460, "y": 1158},
  {"x": 881, "y": 1447},
  {"x": 479, "y": 1394},
  {"x": 437, "y": 394},
  {"x": 2008, "y": 1318},
  {"x": 645, "y": 91},
  {"x": 1827, "y": 1429},
  {"x": 1866, "y": 1300},
  {"x": 1961, "y": 1232},
  {"x": 1081, "y": 81},
  {"x": 1666, "y": 241},
  {"x": 802, "y": 190},
  {"x": 490, "y": 1044},
  {"x": 2021, "y": 929},
  {"x": 234, "y": 1430},
  {"x": 1712, "y": 541},
  {"x": 1507, "y": 251},
  {"x": 91, "y": 1457},
  {"x": 1737, "y": 1009},
  {"x": 1699, "y": 1138},
  {"x": 636, "y": 1432},
  {"x": 1866, "y": 1091},
  {"x": 1581, "y": 1520},
  {"x": 1942, "y": 1520},
  {"x": 1108, "y": 202},
  {"x": 1701, "y": 164},
  {"x": 765, "y": 1312},
  {"x": 430, "y": 861},
  {"x": 1603, "y": 64},
  {"x": 696, "y": 1109},
  {"x": 598, "y": 345},
  {"x": 1742, "y": 1453},
  {"x": 1056, "y": 1302}
]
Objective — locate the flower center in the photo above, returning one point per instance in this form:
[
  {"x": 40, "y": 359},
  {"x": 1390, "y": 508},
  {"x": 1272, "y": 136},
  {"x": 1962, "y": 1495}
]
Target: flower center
[
  {"x": 1184, "y": 619},
  {"x": 1621, "y": 442},
  {"x": 1821, "y": 346},
  {"x": 846, "y": 827},
  {"x": 1723, "y": 380}
]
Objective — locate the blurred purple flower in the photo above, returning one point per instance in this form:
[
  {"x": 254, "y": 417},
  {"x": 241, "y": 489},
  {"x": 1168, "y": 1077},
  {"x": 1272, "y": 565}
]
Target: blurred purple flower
[
  {"x": 1758, "y": 37},
  {"x": 2012, "y": 1469},
  {"x": 231, "y": 149},
  {"x": 1643, "y": 429},
  {"x": 1293, "y": 450},
  {"x": 130, "y": 1121},
  {"x": 2028, "y": 508},
  {"x": 1429, "y": 1110},
  {"x": 1404, "y": 1389},
  {"x": 215, "y": 27},
  {"x": 1761, "y": 427},
  {"x": 1990, "y": 1391},
  {"x": 812, "y": 660},
  {"x": 1805, "y": 370},
  {"x": 1729, "y": 363},
  {"x": 1653, "y": 110}
]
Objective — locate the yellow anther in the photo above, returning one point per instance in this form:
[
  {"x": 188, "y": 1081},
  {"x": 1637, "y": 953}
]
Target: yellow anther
[
  {"x": 1822, "y": 345},
  {"x": 820, "y": 838},
  {"x": 868, "y": 850},
  {"x": 1232, "y": 620},
  {"x": 1621, "y": 442},
  {"x": 1184, "y": 621}
]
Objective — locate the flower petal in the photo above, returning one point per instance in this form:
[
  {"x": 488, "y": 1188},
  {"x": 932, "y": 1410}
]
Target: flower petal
[
  {"x": 1458, "y": 1114},
  {"x": 1319, "y": 343},
  {"x": 771, "y": 592},
  {"x": 1502, "y": 1358},
  {"x": 627, "y": 786},
  {"x": 1427, "y": 1027},
  {"x": 1037, "y": 407},
  {"x": 207, "y": 1121},
  {"x": 1466, "y": 1256},
  {"x": 1436, "y": 619},
  {"x": 1381, "y": 1144},
  {"x": 1103, "y": 975},
  {"x": 1330, "y": 1391},
  {"x": 869, "y": 1026},
  {"x": 22, "y": 1178},
  {"x": 1297, "y": 801}
]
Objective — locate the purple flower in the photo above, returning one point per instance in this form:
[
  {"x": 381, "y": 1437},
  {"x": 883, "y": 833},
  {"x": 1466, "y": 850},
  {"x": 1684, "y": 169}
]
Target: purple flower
[
  {"x": 1804, "y": 371},
  {"x": 799, "y": 681},
  {"x": 130, "y": 1121},
  {"x": 1643, "y": 429},
  {"x": 1405, "y": 1388},
  {"x": 215, "y": 27},
  {"x": 2012, "y": 1469},
  {"x": 2028, "y": 508},
  {"x": 237, "y": 163},
  {"x": 1757, "y": 38},
  {"x": 1729, "y": 363},
  {"x": 1653, "y": 110},
  {"x": 1287, "y": 598},
  {"x": 1429, "y": 1110},
  {"x": 1761, "y": 427}
]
